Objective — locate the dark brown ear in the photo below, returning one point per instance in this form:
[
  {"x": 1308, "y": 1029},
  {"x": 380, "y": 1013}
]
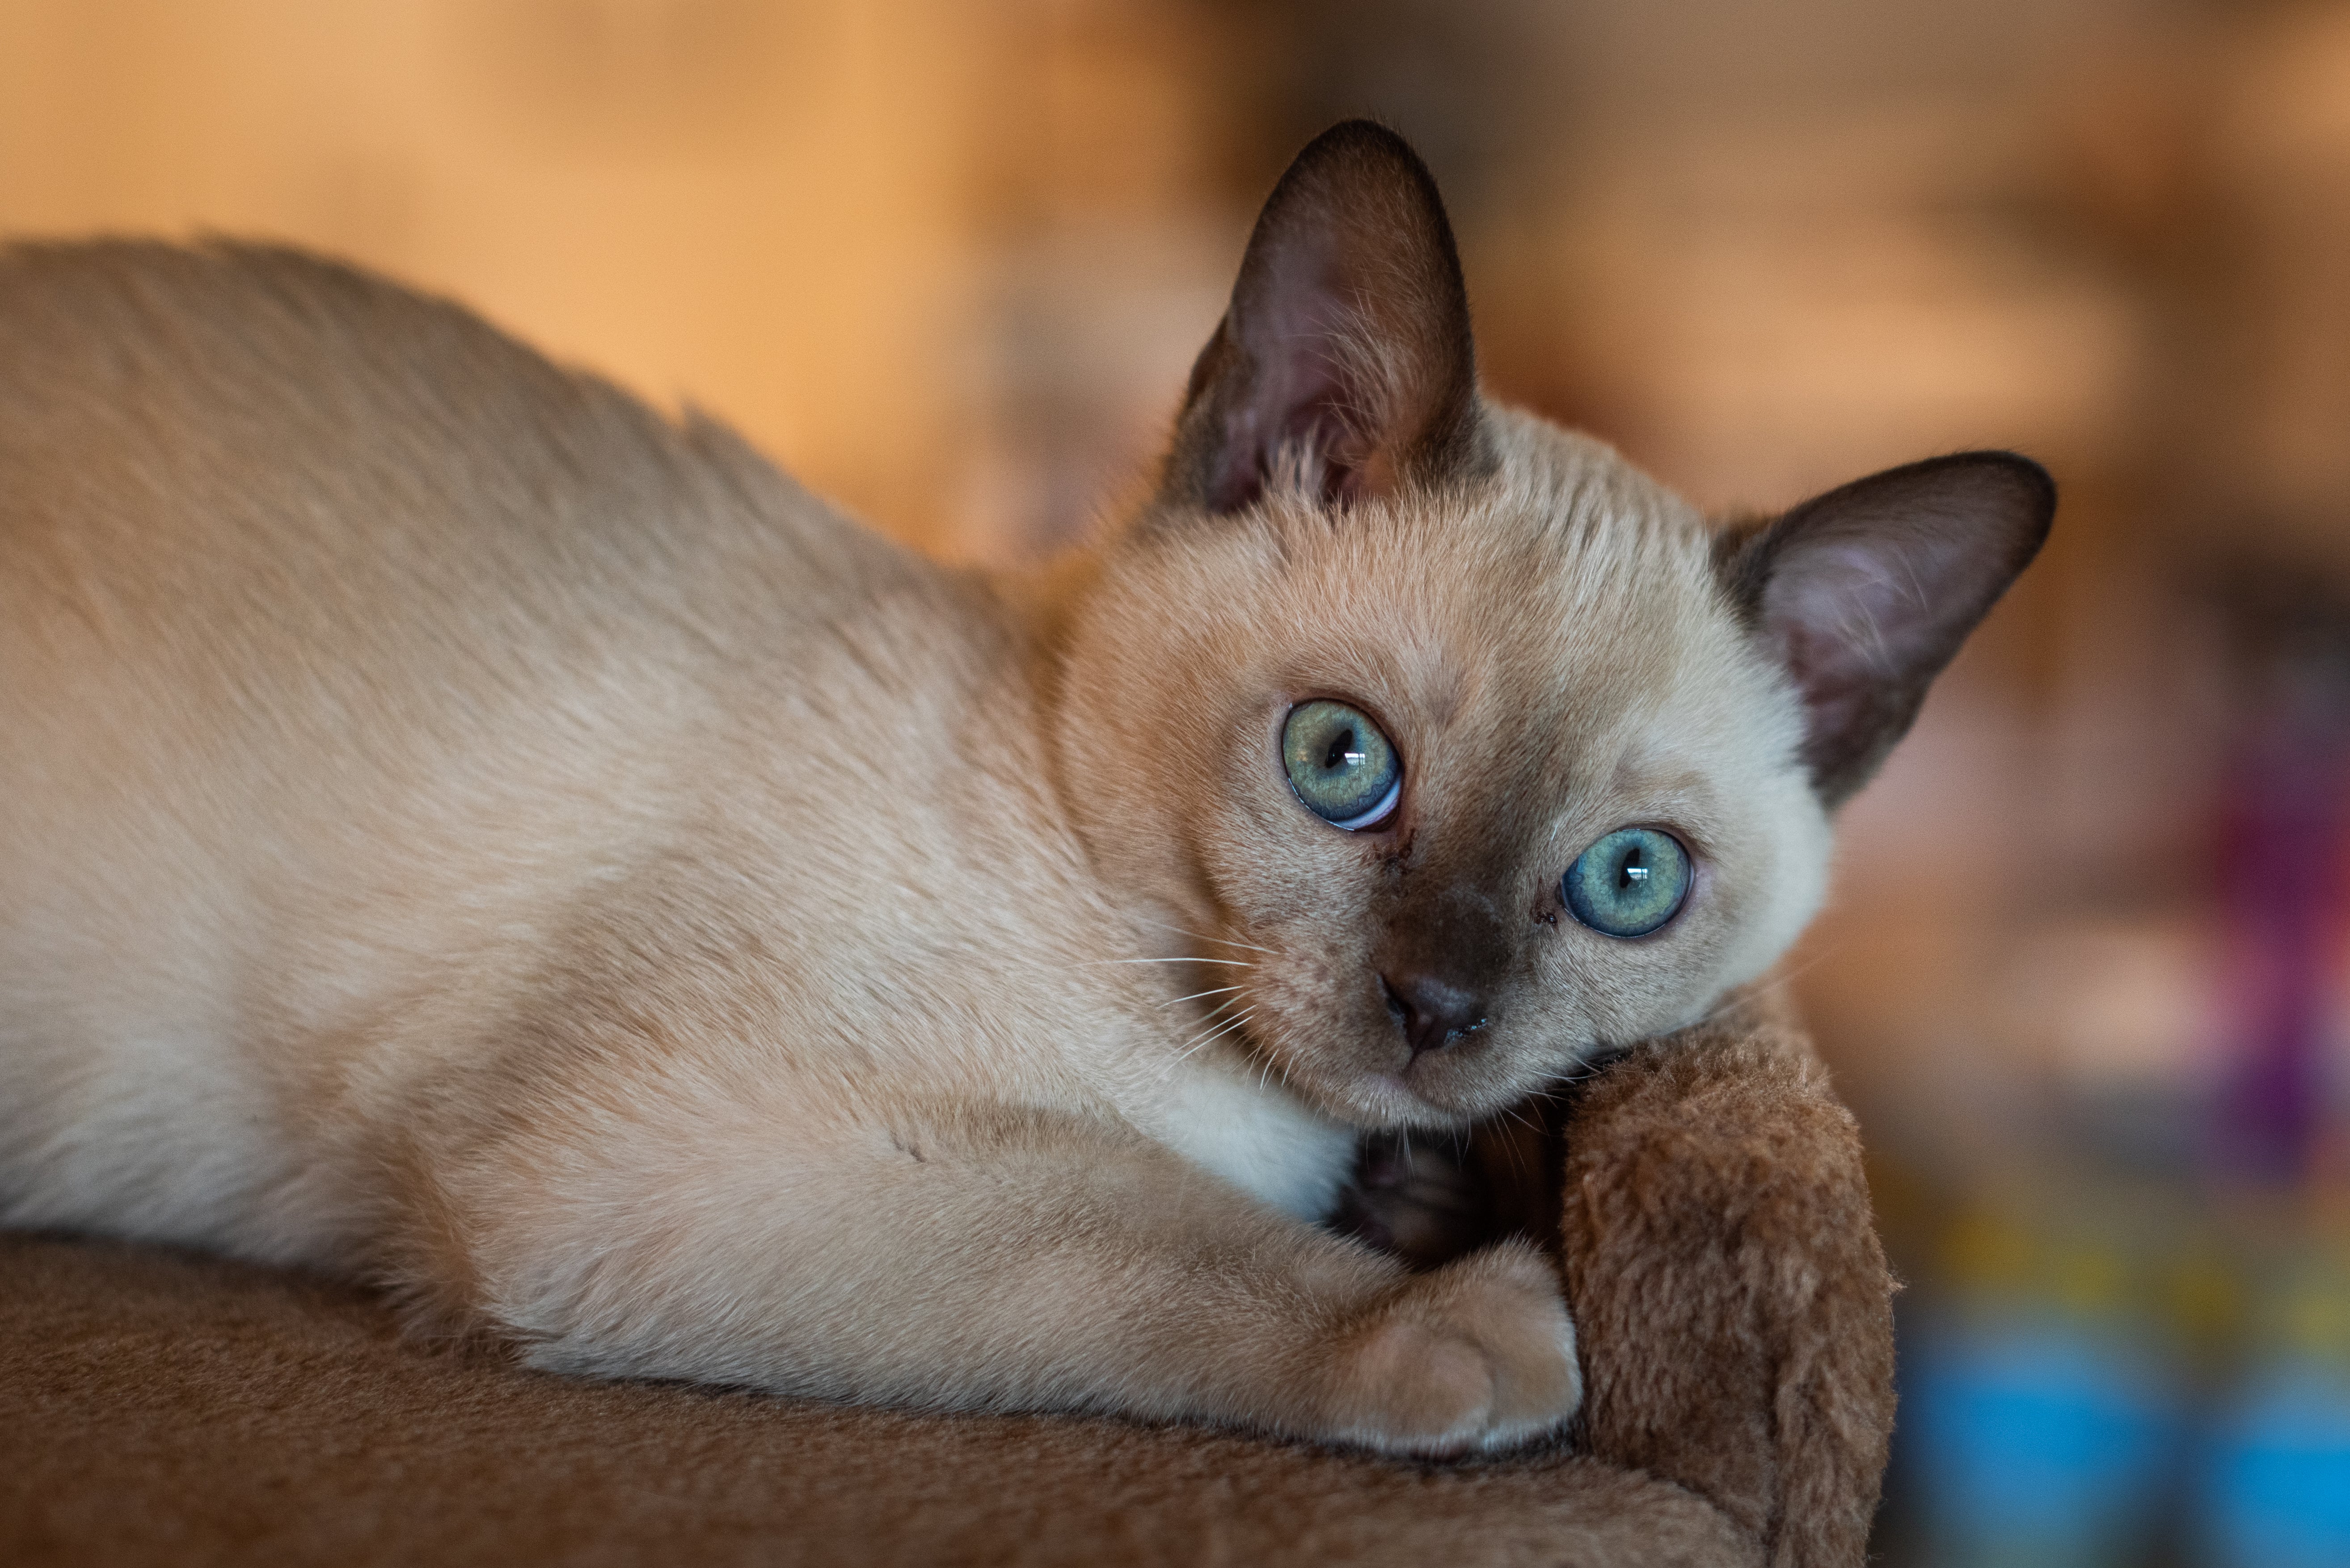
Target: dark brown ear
[
  {"x": 1865, "y": 593},
  {"x": 1345, "y": 361}
]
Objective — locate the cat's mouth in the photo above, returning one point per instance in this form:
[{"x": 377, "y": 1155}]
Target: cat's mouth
[
  {"x": 1437, "y": 1091},
  {"x": 1434, "y": 1092},
  {"x": 1347, "y": 1051}
]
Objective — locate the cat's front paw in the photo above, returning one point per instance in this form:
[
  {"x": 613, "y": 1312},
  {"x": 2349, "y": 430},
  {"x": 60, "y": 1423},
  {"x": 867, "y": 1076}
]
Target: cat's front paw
[
  {"x": 1415, "y": 1197},
  {"x": 1476, "y": 1356}
]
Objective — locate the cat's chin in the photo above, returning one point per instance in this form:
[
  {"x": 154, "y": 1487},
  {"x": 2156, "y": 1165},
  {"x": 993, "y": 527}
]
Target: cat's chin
[{"x": 1387, "y": 1100}]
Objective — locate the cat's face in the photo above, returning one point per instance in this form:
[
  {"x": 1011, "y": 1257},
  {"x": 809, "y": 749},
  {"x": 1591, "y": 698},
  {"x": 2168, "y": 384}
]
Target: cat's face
[
  {"x": 1484, "y": 695},
  {"x": 1446, "y": 746}
]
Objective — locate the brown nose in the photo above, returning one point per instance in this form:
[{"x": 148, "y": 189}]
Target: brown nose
[{"x": 1433, "y": 1011}]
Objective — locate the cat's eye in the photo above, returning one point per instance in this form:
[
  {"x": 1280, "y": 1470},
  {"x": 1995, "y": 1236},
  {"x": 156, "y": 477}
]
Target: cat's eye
[
  {"x": 1341, "y": 765},
  {"x": 1629, "y": 883}
]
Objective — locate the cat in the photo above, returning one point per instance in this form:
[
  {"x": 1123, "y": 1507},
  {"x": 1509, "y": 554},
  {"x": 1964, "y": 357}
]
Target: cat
[{"x": 463, "y": 830}]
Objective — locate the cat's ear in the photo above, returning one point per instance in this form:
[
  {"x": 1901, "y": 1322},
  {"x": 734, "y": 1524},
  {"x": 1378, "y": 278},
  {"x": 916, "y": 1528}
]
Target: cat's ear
[
  {"x": 1865, "y": 593},
  {"x": 1344, "y": 364}
]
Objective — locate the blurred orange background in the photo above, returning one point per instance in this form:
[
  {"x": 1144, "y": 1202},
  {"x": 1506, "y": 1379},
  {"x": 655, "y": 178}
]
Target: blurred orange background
[{"x": 950, "y": 262}]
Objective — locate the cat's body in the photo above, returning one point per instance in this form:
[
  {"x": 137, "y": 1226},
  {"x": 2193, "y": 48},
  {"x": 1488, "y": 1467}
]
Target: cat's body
[
  {"x": 646, "y": 683},
  {"x": 460, "y": 828}
]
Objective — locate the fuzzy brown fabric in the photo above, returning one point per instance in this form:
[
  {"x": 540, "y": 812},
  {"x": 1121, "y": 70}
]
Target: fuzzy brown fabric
[
  {"x": 1732, "y": 1303},
  {"x": 1714, "y": 1208}
]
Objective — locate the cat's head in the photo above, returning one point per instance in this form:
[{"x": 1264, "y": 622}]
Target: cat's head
[{"x": 1455, "y": 747}]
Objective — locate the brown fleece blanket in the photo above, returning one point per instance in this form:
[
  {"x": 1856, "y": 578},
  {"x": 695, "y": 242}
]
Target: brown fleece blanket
[{"x": 1730, "y": 1296}]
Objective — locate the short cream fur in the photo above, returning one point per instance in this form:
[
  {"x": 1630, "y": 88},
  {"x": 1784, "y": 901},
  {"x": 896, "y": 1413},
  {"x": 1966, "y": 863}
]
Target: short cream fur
[{"x": 462, "y": 830}]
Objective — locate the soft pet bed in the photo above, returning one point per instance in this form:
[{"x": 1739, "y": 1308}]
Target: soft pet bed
[{"x": 1729, "y": 1294}]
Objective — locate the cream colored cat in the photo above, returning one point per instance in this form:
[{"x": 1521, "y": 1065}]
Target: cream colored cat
[{"x": 461, "y": 829}]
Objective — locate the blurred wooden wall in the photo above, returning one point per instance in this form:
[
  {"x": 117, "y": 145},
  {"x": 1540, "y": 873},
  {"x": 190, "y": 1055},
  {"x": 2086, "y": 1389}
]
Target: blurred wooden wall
[{"x": 777, "y": 209}]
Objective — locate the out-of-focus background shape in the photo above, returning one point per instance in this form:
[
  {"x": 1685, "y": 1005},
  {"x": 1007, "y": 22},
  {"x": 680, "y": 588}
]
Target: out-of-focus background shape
[{"x": 2087, "y": 976}]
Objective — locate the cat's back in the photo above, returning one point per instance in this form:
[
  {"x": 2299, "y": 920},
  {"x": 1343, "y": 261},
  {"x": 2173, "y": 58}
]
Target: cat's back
[
  {"x": 286, "y": 549},
  {"x": 344, "y": 640},
  {"x": 257, "y": 441},
  {"x": 244, "y": 487}
]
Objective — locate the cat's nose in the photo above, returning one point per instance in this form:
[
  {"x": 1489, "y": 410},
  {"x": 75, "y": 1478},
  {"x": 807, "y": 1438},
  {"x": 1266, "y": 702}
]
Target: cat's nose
[{"x": 1433, "y": 1009}]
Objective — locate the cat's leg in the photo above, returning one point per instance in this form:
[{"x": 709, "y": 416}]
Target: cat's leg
[{"x": 998, "y": 1261}]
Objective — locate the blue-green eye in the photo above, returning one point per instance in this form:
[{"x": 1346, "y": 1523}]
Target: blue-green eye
[
  {"x": 1629, "y": 883},
  {"x": 1341, "y": 766}
]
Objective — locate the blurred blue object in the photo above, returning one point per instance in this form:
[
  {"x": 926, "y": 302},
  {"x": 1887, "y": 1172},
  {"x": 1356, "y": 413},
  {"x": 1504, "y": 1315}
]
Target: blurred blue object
[
  {"x": 2039, "y": 1443},
  {"x": 2277, "y": 1485}
]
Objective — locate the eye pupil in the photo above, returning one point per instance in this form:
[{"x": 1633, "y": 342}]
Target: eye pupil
[{"x": 1342, "y": 750}]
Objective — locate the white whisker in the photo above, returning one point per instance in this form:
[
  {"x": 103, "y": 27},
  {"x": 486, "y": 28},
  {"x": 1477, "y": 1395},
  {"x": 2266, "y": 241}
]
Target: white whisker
[
  {"x": 1215, "y": 1016},
  {"x": 1199, "y": 937},
  {"x": 1201, "y": 1042},
  {"x": 1197, "y": 994},
  {"x": 1222, "y": 1006},
  {"x": 1226, "y": 1027}
]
